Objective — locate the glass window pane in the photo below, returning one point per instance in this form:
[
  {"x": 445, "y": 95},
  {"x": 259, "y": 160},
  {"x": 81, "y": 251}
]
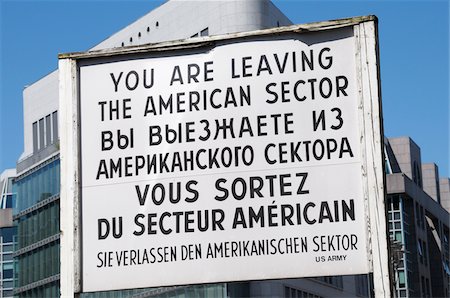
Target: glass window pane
[
  {"x": 398, "y": 236},
  {"x": 8, "y": 284},
  {"x": 41, "y": 134},
  {"x": 55, "y": 126},
  {"x": 48, "y": 128},
  {"x": 396, "y": 203},
  {"x": 204, "y": 32},
  {"x": 401, "y": 277},
  {"x": 35, "y": 137},
  {"x": 9, "y": 201},
  {"x": 8, "y": 273}
]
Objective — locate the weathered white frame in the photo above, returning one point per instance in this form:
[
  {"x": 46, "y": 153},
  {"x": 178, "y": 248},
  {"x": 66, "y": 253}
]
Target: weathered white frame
[{"x": 371, "y": 136}]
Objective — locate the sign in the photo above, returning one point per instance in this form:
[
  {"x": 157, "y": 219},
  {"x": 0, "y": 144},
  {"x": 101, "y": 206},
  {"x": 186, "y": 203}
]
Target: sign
[{"x": 241, "y": 161}]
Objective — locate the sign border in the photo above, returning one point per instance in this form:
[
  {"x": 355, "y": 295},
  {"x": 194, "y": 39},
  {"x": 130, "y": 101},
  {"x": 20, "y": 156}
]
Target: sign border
[{"x": 371, "y": 136}]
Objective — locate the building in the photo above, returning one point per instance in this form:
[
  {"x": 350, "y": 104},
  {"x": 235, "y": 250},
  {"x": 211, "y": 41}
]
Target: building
[
  {"x": 418, "y": 215},
  {"x": 7, "y": 234},
  {"x": 417, "y": 220},
  {"x": 37, "y": 182}
]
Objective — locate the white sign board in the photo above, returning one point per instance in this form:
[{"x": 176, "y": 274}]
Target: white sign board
[{"x": 242, "y": 161}]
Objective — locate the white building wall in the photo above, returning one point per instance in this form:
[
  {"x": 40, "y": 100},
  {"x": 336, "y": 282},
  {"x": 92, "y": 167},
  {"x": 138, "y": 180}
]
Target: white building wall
[
  {"x": 176, "y": 19},
  {"x": 39, "y": 100},
  {"x": 430, "y": 178}
]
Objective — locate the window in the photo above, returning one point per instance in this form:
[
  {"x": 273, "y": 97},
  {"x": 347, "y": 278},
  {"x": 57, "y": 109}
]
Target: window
[
  {"x": 55, "y": 126},
  {"x": 396, "y": 203},
  {"x": 295, "y": 293},
  {"x": 422, "y": 217},
  {"x": 336, "y": 281},
  {"x": 35, "y": 137},
  {"x": 8, "y": 284},
  {"x": 48, "y": 126},
  {"x": 7, "y": 234},
  {"x": 421, "y": 249},
  {"x": 446, "y": 267},
  {"x": 41, "y": 133},
  {"x": 387, "y": 166},
  {"x": 9, "y": 201},
  {"x": 32, "y": 187},
  {"x": 422, "y": 284},
  {"x": 204, "y": 32},
  {"x": 416, "y": 212},
  {"x": 45, "y": 131},
  {"x": 7, "y": 273},
  {"x": 416, "y": 174},
  {"x": 425, "y": 255},
  {"x": 401, "y": 279}
]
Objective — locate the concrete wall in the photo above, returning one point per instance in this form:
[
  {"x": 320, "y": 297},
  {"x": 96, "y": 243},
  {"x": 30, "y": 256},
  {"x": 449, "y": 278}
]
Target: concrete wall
[
  {"x": 430, "y": 178},
  {"x": 408, "y": 157},
  {"x": 6, "y": 218},
  {"x": 444, "y": 187}
]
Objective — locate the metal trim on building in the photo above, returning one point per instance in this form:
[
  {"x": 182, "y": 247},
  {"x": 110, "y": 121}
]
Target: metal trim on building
[
  {"x": 39, "y": 166},
  {"x": 36, "y": 206},
  {"x": 36, "y": 284},
  {"x": 36, "y": 245}
]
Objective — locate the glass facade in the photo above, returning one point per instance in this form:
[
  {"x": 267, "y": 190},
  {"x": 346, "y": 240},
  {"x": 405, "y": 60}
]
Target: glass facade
[
  {"x": 399, "y": 234},
  {"x": 7, "y": 240},
  {"x": 296, "y": 293},
  {"x": 36, "y": 266},
  {"x": 200, "y": 291},
  {"x": 37, "y": 220},
  {"x": 7, "y": 196},
  {"x": 38, "y": 225},
  {"x": 37, "y": 185},
  {"x": 7, "y": 235},
  {"x": 43, "y": 261}
]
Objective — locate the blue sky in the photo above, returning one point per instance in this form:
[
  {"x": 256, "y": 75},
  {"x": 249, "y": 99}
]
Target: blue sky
[{"x": 414, "y": 58}]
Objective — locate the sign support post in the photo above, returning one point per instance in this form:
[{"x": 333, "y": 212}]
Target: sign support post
[
  {"x": 69, "y": 194},
  {"x": 367, "y": 37}
]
